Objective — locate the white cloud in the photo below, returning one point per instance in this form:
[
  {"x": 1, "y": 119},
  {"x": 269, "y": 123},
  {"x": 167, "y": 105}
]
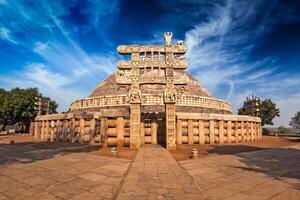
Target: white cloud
[
  {"x": 288, "y": 107},
  {"x": 3, "y": 2},
  {"x": 5, "y": 34},
  {"x": 55, "y": 85},
  {"x": 38, "y": 73},
  {"x": 39, "y": 47},
  {"x": 218, "y": 55}
]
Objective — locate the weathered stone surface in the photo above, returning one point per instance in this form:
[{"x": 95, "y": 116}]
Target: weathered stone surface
[
  {"x": 254, "y": 175},
  {"x": 154, "y": 174}
]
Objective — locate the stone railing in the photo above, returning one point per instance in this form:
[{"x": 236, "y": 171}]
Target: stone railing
[
  {"x": 114, "y": 130},
  {"x": 86, "y": 128},
  {"x": 101, "y": 101},
  {"x": 148, "y": 99},
  {"x": 216, "y": 128},
  {"x": 206, "y": 102}
]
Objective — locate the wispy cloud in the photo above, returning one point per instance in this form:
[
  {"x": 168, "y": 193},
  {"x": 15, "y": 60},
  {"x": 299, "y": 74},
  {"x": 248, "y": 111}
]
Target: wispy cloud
[
  {"x": 5, "y": 34},
  {"x": 64, "y": 64},
  {"x": 38, "y": 73},
  {"x": 66, "y": 47},
  {"x": 220, "y": 54}
]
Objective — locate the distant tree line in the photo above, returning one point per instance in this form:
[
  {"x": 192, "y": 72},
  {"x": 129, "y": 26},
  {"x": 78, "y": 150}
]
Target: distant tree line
[
  {"x": 17, "y": 107},
  {"x": 295, "y": 121}
]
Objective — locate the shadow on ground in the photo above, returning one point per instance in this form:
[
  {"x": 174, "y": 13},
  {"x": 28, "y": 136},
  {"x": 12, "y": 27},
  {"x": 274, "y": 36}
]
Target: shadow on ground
[
  {"x": 232, "y": 149},
  {"x": 279, "y": 163},
  {"x": 28, "y": 152}
]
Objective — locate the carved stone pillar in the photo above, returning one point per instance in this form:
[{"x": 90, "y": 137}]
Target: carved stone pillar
[
  {"x": 170, "y": 126},
  {"x": 170, "y": 100},
  {"x": 135, "y": 103},
  {"x": 135, "y": 121}
]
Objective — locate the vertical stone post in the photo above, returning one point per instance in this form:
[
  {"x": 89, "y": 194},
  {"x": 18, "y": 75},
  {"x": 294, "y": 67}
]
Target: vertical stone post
[
  {"x": 236, "y": 133},
  {"x": 221, "y": 131},
  {"x": 259, "y": 130},
  {"x": 190, "y": 132},
  {"x": 92, "y": 130},
  {"x": 36, "y": 130},
  {"x": 229, "y": 127},
  {"x": 247, "y": 131},
  {"x": 82, "y": 129},
  {"x": 135, "y": 102},
  {"x": 52, "y": 130},
  {"x": 142, "y": 133},
  {"x": 251, "y": 131},
  {"x": 255, "y": 131},
  {"x": 154, "y": 132},
  {"x": 170, "y": 95},
  {"x": 201, "y": 132},
  {"x": 47, "y": 131},
  {"x": 135, "y": 120},
  {"x": 242, "y": 131},
  {"x": 211, "y": 131},
  {"x": 120, "y": 131},
  {"x": 170, "y": 126},
  {"x": 72, "y": 130},
  {"x": 103, "y": 128},
  {"x": 43, "y": 130},
  {"x": 179, "y": 131}
]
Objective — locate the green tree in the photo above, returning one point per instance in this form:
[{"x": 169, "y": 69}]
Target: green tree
[
  {"x": 284, "y": 131},
  {"x": 295, "y": 121},
  {"x": 267, "y": 111},
  {"x": 17, "y": 106},
  {"x": 3, "y": 108}
]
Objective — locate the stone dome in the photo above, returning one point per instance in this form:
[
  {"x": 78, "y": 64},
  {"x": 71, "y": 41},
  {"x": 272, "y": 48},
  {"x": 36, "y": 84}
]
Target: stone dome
[
  {"x": 192, "y": 97},
  {"x": 110, "y": 87}
]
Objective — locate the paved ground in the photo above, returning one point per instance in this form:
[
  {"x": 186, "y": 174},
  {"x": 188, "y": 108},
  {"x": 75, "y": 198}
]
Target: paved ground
[
  {"x": 183, "y": 151},
  {"x": 27, "y": 172},
  {"x": 62, "y": 171},
  {"x": 266, "y": 174},
  {"x": 154, "y": 174}
]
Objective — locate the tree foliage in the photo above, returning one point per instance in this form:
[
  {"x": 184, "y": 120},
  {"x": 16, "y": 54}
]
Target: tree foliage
[
  {"x": 17, "y": 106},
  {"x": 267, "y": 111},
  {"x": 295, "y": 121}
]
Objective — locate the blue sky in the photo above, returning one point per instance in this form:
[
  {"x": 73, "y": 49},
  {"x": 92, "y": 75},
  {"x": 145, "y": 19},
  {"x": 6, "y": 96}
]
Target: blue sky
[{"x": 236, "y": 48}]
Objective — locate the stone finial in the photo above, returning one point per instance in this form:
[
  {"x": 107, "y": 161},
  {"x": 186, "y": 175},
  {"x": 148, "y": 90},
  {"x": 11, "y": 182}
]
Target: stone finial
[{"x": 168, "y": 38}]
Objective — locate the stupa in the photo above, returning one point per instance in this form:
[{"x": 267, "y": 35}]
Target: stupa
[{"x": 151, "y": 98}]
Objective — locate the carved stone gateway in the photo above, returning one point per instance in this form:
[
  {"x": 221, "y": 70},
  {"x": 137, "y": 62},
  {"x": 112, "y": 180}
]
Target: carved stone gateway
[{"x": 160, "y": 62}]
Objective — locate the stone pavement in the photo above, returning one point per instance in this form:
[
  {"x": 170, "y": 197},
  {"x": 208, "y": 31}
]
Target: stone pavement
[
  {"x": 45, "y": 173},
  {"x": 58, "y": 171},
  {"x": 154, "y": 174},
  {"x": 267, "y": 174}
]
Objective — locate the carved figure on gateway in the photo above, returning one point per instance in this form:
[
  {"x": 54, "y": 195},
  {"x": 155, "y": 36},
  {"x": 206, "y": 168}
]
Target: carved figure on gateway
[{"x": 150, "y": 99}]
